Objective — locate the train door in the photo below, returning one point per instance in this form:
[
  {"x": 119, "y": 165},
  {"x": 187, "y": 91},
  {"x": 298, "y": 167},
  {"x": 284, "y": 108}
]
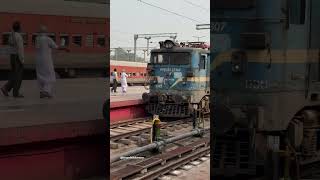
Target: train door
[{"x": 313, "y": 65}]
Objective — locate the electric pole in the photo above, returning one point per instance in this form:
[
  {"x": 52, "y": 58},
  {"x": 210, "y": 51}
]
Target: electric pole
[{"x": 129, "y": 54}]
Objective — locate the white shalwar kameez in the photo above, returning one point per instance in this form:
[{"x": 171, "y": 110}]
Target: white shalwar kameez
[
  {"x": 44, "y": 64},
  {"x": 123, "y": 80}
]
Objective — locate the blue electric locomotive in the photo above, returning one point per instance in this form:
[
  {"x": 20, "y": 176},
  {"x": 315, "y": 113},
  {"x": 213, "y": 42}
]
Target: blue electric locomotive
[
  {"x": 178, "y": 77},
  {"x": 266, "y": 79}
]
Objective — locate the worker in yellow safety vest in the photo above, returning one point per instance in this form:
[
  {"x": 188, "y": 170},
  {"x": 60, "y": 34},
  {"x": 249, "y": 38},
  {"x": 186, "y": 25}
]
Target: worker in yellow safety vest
[{"x": 156, "y": 126}]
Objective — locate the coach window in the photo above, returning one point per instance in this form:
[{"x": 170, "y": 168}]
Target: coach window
[
  {"x": 133, "y": 74},
  {"x": 34, "y": 37},
  {"x": 202, "y": 64},
  {"x": 77, "y": 40},
  {"x": 64, "y": 40},
  {"x": 89, "y": 40},
  {"x": 25, "y": 38},
  {"x": 5, "y": 38},
  {"x": 297, "y": 11},
  {"x": 101, "y": 41},
  {"x": 52, "y": 36}
]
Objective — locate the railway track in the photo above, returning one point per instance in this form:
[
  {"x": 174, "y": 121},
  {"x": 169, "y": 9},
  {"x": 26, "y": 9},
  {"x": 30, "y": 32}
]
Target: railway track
[
  {"x": 129, "y": 128},
  {"x": 160, "y": 164},
  {"x": 140, "y": 126}
]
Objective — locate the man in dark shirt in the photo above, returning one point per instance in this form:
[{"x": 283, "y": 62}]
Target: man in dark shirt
[{"x": 16, "y": 60}]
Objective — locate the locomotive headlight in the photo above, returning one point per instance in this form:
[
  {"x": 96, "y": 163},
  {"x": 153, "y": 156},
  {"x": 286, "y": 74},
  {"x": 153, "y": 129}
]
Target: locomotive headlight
[
  {"x": 238, "y": 61},
  {"x": 184, "y": 81},
  {"x": 154, "y": 80},
  {"x": 162, "y": 98}
]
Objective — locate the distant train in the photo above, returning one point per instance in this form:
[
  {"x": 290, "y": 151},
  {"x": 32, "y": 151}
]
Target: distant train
[
  {"x": 178, "y": 77},
  {"x": 81, "y": 25},
  {"x": 137, "y": 71},
  {"x": 266, "y": 77}
]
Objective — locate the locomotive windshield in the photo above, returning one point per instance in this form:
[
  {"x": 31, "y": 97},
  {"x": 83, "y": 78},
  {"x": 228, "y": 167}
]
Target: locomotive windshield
[{"x": 174, "y": 58}]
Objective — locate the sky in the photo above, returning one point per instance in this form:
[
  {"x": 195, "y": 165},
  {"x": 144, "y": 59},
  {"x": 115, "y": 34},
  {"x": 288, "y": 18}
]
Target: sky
[{"x": 129, "y": 17}]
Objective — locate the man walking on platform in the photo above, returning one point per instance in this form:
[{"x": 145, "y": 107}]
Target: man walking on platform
[
  {"x": 44, "y": 65},
  {"x": 114, "y": 77},
  {"x": 123, "y": 81},
  {"x": 17, "y": 60}
]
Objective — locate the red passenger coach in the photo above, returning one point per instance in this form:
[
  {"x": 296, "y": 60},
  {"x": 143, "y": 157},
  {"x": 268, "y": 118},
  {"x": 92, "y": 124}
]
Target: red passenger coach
[
  {"x": 83, "y": 25},
  {"x": 135, "y": 70}
]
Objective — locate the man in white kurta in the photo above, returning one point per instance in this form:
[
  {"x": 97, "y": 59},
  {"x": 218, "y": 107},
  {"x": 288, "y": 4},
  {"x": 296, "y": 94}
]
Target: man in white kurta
[
  {"x": 44, "y": 64},
  {"x": 123, "y": 81}
]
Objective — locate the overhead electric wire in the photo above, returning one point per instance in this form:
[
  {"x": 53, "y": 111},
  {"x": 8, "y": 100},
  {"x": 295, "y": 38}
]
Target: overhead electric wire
[
  {"x": 196, "y": 5},
  {"x": 191, "y": 19}
]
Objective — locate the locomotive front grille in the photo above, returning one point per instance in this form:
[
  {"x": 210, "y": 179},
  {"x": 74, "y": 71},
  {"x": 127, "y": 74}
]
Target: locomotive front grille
[
  {"x": 232, "y": 156},
  {"x": 169, "y": 110}
]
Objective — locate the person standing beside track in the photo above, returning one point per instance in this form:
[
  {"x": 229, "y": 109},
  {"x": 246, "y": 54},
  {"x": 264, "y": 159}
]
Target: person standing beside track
[
  {"x": 44, "y": 65},
  {"x": 17, "y": 60},
  {"x": 123, "y": 81},
  {"x": 114, "y": 77}
]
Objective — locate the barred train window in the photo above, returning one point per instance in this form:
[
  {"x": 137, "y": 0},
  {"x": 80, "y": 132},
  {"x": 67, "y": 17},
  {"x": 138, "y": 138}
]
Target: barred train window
[
  {"x": 64, "y": 40},
  {"x": 89, "y": 40},
  {"x": 77, "y": 40},
  {"x": 52, "y": 36},
  {"x": 101, "y": 41},
  {"x": 5, "y": 38},
  {"x": 34, "y": 37},
  {"x": 25, "y": 38}
]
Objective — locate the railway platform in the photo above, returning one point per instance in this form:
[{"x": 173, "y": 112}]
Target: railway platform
[
  {"x": 62, "y": 137},
  {"x": 127, "y": 106}
]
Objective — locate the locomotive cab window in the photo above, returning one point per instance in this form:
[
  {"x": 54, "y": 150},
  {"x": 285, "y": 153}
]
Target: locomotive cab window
[
  {"x": 77, "y": 40},
  {"x": 176, "y": 58},
  {"x": 202, "y": 63},
  {"x": 157, "y": 59},
  {"x": 297, "y": 11}
]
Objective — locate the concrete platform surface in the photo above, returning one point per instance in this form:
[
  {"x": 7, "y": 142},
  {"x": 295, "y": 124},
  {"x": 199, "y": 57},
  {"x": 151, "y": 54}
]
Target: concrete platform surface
[
  {"x": 75, "y": 100},
  {"x": 133, "y": 93}
]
